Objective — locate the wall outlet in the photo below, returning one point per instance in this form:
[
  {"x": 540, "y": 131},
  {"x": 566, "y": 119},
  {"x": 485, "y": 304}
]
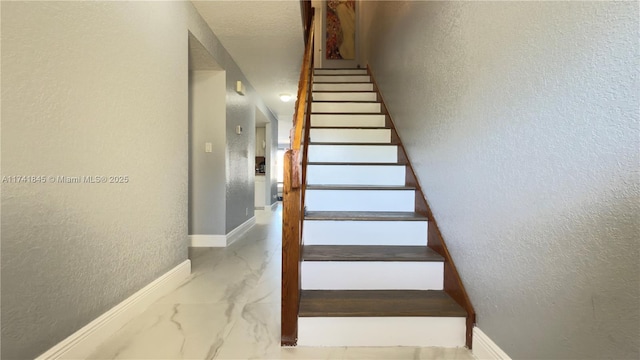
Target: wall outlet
[{"x": 246, "y": 211}]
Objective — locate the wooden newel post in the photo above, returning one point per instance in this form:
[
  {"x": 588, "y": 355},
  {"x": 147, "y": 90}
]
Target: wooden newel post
[{"x": 291, "y": 214}]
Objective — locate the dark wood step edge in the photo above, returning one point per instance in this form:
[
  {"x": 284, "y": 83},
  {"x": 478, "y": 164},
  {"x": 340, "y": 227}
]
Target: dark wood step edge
[
  {"x": 363, "y": 216},
  {"x": 365, "y": 73},
  {"x": 346, "y": 113},
  {"x": 353, "y": 144},
  {"x": 344, "y": 91},
  {"x": 347, "y": 68},
  {"x": 346, "y": 82},
  {"x": 452, "y": 282},
  {"x": 359, "y": 187},
  {"x": 348, "y": 128},
  {"x": 346, "y": 101},
  {"x": 353, "y": 163},
  {"x": 378, "y": 253},
  {"x": 378, "y": 303}
]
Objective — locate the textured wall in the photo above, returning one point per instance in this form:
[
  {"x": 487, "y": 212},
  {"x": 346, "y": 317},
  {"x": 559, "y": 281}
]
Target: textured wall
[
  {"x": 240, "y": 157},
  {"x": 80, "y": 97},
  {"x": 240, "y": 149},
  {"x": 97, "y": 88},
  {"x": 521, "y": 119},
  {"x": 272, "y": 172},
  {"x": 207, "y": 182}
]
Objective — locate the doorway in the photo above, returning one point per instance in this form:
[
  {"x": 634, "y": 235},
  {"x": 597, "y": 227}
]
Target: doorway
[{"x": 264, "y": 160}]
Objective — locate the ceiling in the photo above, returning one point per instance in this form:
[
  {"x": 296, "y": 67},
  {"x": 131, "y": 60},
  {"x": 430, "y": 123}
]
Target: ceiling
[{"x": 265, "y": 38}]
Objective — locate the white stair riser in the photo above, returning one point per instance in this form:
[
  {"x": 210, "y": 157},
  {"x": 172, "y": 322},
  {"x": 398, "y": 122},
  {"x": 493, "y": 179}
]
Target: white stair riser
[
  {"x": 345, "y": 96},
  {"x": 340, "y": 72},
  {"x": 340, "y": 78},
  {"x": 338, "y": 107},
  {"x": 356, "y": 175},
  {"x": 353, "y": 153},
  {"x": 360, "y": 200},
  {"x": 395, "y": 233},
  {"x": 372, "y": 275},
  {"x": 382, "y": 331},
  {"x": 382, "y": 136},
  {"x": 343, "y": 87},
  {"x": 347, "y": 120}
]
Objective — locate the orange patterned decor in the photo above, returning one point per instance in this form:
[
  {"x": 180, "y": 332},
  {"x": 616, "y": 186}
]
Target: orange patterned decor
[{"x": 341, "y": 29}]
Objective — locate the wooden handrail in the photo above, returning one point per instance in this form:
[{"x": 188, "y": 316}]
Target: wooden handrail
[
  {"x": 306, "y": 10},
  {"x": 293, "y": 199},
  {"x": 303, "y": 91}
]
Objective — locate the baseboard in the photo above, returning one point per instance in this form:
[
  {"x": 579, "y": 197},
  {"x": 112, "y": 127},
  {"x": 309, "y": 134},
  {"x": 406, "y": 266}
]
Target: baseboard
[
  {"x": 222, "y": 240},
  {"x": 208, "y": 240},
  {"x": 236, "y": 233},
  {"x": 485, "y": 349},
  {"x": 274, "y": 206},
  {"x": 83, "y": 342}
]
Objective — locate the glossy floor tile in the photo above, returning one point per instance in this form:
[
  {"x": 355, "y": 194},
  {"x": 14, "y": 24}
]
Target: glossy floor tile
[{"x": 230, "y": 309}]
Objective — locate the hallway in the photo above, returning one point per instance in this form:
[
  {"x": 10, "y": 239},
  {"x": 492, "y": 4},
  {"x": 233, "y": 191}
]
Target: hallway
[{"x": 230, "y": 309}]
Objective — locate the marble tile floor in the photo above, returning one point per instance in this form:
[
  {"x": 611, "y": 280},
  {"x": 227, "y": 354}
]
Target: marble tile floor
[{"x": 230, "y": 309}]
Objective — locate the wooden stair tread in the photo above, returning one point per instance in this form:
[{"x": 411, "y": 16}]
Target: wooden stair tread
[
  {"x": 378, "y": 303},
  {"x": 365, "y": 74},
  {"x": 359, "y": 187},
  {"x": 369, "y": 253},
  {"x": 364, "y": 216},
  {"x": 351, "y": 127},
  {"x": 345, "y": 91},
  {"x": 348, "y": 101},
  {"x": 315, "y": 81},
  {"x": 346, "y": 113},
  {"x": 353, "y": 143},
  {"x": 354, "y": 163}
]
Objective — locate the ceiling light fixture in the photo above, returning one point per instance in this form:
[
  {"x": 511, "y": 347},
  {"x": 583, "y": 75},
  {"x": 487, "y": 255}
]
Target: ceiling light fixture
[{"x": 285, "y": 97}]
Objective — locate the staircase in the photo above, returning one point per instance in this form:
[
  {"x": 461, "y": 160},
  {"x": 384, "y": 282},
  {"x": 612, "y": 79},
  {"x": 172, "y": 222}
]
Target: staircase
[{"x": 367, "y": 276}]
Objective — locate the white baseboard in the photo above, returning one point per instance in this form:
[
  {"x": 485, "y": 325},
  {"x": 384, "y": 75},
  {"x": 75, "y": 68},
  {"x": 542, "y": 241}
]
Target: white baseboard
[
  {"x": 222, "y": 240},
  {"x": 485, "y": 349},
  {"x": 83, "y": 342},
  {"x": 274, "y": 206},
  {"x": 208, "y": 240},
  {"x": 236, "y": 233}
]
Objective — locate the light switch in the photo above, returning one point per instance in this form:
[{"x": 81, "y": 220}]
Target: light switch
[{"x": 208, "y": 147}]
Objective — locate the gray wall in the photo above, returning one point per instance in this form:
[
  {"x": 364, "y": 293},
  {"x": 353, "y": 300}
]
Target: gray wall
[
  {"x": 207, "y": 182},
  {"x": 272, "y": 172},
  {"x": 521, "y": 119},
  {"x": 98, "y": 88}
]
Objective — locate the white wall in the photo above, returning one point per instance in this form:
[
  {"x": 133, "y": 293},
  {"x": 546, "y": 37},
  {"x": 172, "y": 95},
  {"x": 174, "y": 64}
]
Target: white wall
[
  {"x": 521, "y": 119},
  {"x": 100, "y": 88},
  {"x": 272, "y": 175},
  {"x": 260, "y": 137},
  {"x": 284, "y": 127}
]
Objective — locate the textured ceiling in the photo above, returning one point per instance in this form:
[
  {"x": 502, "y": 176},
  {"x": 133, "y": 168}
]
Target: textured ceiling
[{"x": 265, "y": 39}]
